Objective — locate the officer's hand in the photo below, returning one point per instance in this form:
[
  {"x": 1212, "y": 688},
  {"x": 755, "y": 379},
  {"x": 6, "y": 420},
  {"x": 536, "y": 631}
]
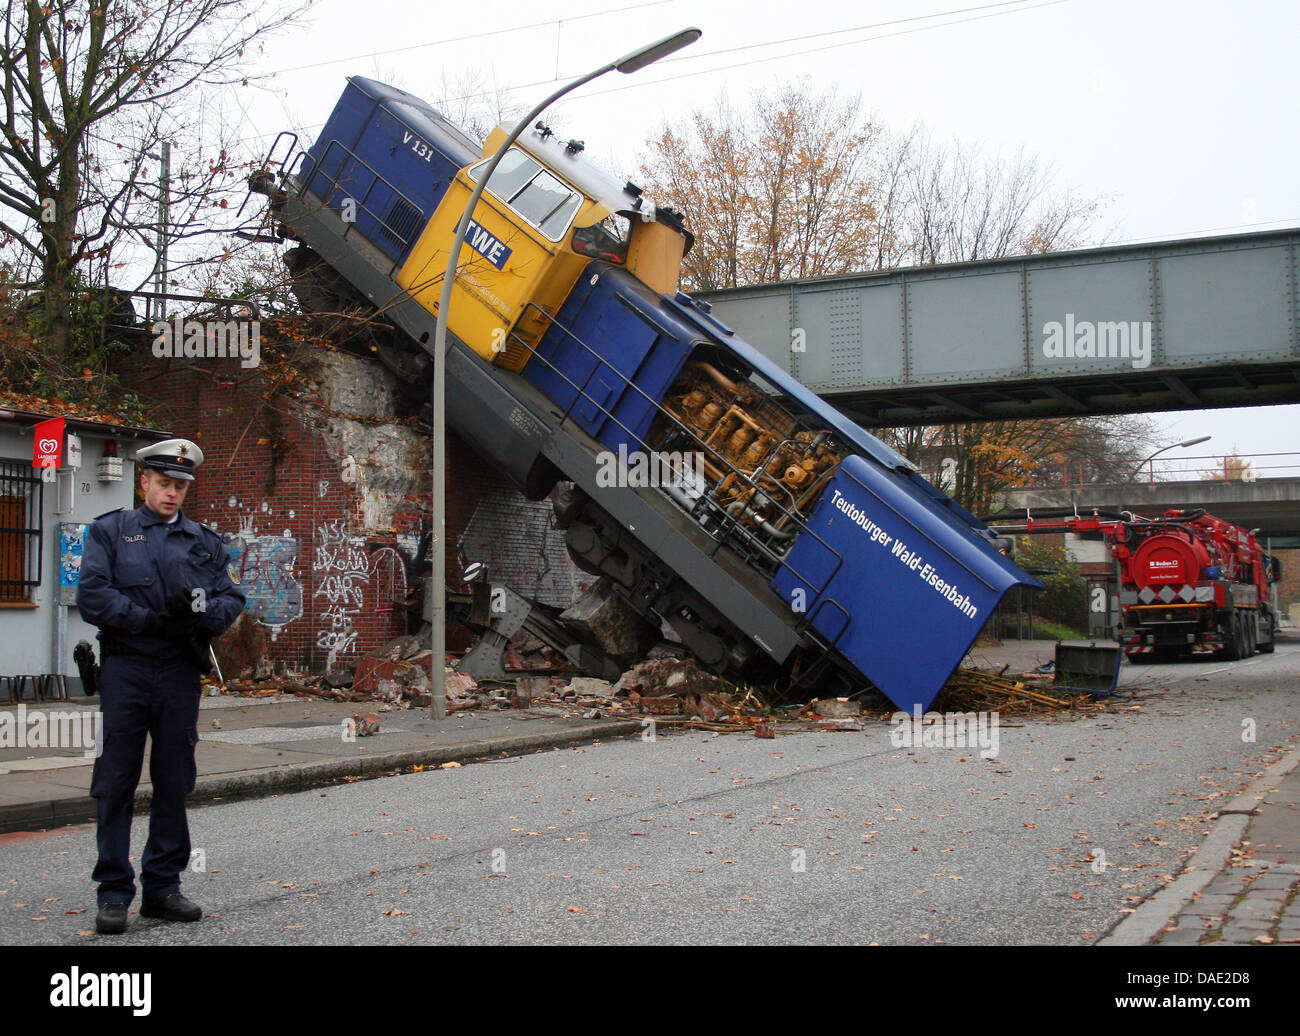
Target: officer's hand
[
  {"x": 180, "y": 605},
  {"x": 157, "y": 624}
]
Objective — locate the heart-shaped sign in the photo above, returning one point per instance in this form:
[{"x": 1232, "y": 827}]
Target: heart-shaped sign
[{"x": 48, "y": 445}]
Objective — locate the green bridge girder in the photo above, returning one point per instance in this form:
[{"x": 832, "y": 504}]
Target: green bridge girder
[{"x": 1178, "y": 325}]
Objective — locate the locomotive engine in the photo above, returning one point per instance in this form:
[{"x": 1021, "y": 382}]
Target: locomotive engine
[{"x": 786, "y": 542}]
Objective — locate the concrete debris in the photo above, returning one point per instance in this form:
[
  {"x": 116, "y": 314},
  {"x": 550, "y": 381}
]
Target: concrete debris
[
  {"x": 661, "y": 676},
  {"x": 459, "y": 685},
  {"x": 529, "y": 687},
  {"x": 392, "y": 680},
  {"x": 607, "y": 622},
  {"x": 837, "y": 708},
  {"x": 589, "y": 685},
  {"x": 343, "y": 678},
  {"x": 365, "y": 723},
  {"x": 529, "y": 654},
  {"x": 397, "y": 649},
  {"x": 712, "y": 708}
]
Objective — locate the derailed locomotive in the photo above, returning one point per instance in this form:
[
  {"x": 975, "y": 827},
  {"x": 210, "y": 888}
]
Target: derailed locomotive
[{"x": 791, "y": 546}]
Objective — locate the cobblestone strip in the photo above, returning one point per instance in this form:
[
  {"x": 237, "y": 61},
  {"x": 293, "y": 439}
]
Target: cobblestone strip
[{"x": 1236, "y": 908}]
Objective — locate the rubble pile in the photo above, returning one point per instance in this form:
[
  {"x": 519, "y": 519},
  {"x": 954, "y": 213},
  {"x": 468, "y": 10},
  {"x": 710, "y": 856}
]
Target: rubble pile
[
  {"x": 530, "y": 654},
  {"x": 674, "y": 691}
]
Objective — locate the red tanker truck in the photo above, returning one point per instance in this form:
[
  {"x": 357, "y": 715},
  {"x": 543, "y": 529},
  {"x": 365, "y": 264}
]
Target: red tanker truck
[{"x": 1191, "y": 584}]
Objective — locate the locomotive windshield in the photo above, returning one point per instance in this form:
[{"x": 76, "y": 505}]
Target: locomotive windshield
[
  {"x": 543, "y": 200},
  {"x": 604, "y": 240}
]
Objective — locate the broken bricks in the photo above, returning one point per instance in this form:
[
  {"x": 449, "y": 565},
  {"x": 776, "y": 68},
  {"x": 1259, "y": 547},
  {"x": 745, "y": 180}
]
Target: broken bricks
[
  {"x": 668, "y": 705},
  {"x": 391, "y": 679}
]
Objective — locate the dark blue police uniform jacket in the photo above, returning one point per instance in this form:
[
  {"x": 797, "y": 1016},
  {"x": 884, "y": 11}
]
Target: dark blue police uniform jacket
[
  {"x": 132, "y": 563},
  {"x": 134, "y": 560}
]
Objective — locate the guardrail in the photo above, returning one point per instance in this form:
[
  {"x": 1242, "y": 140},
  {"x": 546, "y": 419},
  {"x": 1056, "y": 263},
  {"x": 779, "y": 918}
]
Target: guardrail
[{"x": 1210, "y": 467}]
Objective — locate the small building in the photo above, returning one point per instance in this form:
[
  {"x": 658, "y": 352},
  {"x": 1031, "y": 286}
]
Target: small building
[{"x": 44, "y": 515}]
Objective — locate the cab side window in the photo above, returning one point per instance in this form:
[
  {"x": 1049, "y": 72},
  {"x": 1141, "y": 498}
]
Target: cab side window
[{"x": 542, "y": 200}]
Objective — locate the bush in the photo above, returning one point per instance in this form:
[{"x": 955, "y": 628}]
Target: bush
[{"x": 1065, "y": 601}]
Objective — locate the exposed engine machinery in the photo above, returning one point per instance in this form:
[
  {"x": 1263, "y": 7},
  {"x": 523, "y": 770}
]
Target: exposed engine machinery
[
  {"x": 1192, "y": 584},
  {"x": 759, "y": 465}
]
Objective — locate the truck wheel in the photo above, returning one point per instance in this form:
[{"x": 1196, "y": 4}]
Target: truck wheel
[
  {"x": 1266, "y": 646},
  {"x": 1250, "y": 636},
  {"x": 1232, "y": 639}
]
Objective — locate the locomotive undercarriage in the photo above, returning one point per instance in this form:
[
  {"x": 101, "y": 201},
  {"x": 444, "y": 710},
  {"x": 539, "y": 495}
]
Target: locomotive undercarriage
[
  {"x": 358, "y": 327},
  {"x": 599, "y": 545}
]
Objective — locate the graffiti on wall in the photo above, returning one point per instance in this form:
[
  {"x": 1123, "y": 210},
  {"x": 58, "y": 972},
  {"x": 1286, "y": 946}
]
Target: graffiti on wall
[
  {"x": 349, "y": 574},
  {"x": 264, "y": 565},
  {"x": 342, "y": 570}
]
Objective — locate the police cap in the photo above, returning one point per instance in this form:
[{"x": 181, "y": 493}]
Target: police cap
[{"x": 174, "y": 457}]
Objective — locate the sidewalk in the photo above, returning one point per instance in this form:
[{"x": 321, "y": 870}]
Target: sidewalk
[{"x": 1242, "y": 887}]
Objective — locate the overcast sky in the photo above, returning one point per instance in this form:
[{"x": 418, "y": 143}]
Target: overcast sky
[{"x": 1181, "y": 114}]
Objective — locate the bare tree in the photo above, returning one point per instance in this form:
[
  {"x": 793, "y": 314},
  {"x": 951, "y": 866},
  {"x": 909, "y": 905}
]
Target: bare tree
[
  {"x": 90, "y": 93},
  {"x": 475, "y": 102},
  {"x": 957, "y": 205}
]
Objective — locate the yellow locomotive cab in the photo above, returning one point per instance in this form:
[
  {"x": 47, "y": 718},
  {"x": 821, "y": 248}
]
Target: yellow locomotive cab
[
  {"x": 516, "y": 252},
  {"x": 545, "y": 214}
]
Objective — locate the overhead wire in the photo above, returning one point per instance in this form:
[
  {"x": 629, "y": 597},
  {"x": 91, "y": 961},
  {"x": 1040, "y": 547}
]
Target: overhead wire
[{"x": 993, "y": 10}]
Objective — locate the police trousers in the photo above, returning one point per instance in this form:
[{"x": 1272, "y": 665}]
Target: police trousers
[{"x": 158, "y": 697}]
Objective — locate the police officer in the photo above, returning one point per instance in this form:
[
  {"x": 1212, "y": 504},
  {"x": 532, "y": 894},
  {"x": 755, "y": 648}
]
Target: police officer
[{"x": 158, "y": 587}]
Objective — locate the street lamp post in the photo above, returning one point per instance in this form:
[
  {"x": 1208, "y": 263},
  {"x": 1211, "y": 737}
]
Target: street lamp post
[
  {"x": 627, "y": 64},
  {"x": 1171, "y": 446}
]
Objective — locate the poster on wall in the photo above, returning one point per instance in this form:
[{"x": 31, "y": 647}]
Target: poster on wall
[{"x": 72, "y": 539}]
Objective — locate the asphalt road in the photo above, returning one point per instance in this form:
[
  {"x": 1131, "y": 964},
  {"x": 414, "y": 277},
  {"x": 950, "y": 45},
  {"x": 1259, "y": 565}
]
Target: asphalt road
[{"x": 692, "y": 838}]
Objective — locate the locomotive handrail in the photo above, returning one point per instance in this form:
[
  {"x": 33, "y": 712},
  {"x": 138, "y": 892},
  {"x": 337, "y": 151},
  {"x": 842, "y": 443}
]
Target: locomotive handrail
[
  {"x": 728, "y": 520},
  {"x": 806, "y": 628},
  {"x": 321, "y": 168}
]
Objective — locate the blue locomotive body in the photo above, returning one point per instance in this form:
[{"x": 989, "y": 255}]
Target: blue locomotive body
[
  {"x": 893, "y": 574},
  {"x": 385, "y": 159}
]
